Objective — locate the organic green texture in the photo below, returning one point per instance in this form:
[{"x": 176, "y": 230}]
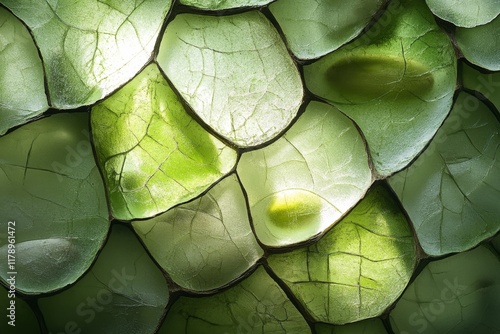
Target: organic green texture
[
  {"x": 22, "y": 94},
  {"x": 370, "y": 326},
  {"x": 465, "y": 13},
  {"x": 396, "y": 83},
  {"x": 357, "y": 269},
  {"x": 53, "y": 192},
  {"x": 451, "y": 191},
  {"x": 224, "y": 4},
  {"x": 91, "y": 47},
  {"x": 206, "y": 243},
  {"x": 314, "y": 28},
  {"x": 256, "y": 305},
  {"x": 496, "y": 243},
  {"x": 486, "y": 84},
  {"x": 123, "y": 293},
  {"x": 20, "y": 318},
  {"x": 300, "y": 185},
  {"x": 235, "y": 72},
  {"x": 481, "y": 45},
  {"x": 456, "y": 295},
  {"x": 152, "y": 153}
]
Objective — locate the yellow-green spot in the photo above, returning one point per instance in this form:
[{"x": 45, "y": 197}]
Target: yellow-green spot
[{"x": 294, "y": 208}]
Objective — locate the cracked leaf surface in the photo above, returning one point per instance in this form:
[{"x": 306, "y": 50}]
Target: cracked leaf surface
[
  {"x": 356, "y": 270},
  {"x": 91, "y": 47},
  {"x": 458, "y": 294},
  {"x": 206, "y": 243},
  {"x": 152, "y": 153},
  {"x": 51, "y": 187},
  {"x": 235, "y": 72},
  {"x": 300, "y": 185},
  {"x": 396, "y": 82},
  {"x": 22, "y": 93},
  {"x": 256, "y": 305},
  {"x": 224, "y": 4},
  {"x": 124, "y": 292},
  {"x": 314, "y": 28},
  {"x": 451, "y": 191},
  {"x": 465, "y": 13}
]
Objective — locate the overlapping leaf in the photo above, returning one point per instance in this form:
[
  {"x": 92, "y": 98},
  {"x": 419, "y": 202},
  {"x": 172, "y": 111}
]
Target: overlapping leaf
[
  {"x": 20, "y": 318},
  {"x": 357, "y": 269},
  {"x": 465, "y": 13},
  {"x": 91, "y": 47},
  {"x": 487, "y": 85},
  {"x": 396, "y": 83},
  {"x": 256, "y": 305},
  {"x": 22, "y": 93},
  {"x": 206, "y": 243},
  {"x": 224, "y": 4},
  {"x": 235, "y": 72},
  {"x": 52, "y": 190},
  {"x": 152, "y": 153},
  {"x": 314, "y": 28},
  {"x": 451, "y": 191},
  {"x": 300, "y": 185},
  {"x": 123, "y": 293},
  {"x": 456, "y": 295}
]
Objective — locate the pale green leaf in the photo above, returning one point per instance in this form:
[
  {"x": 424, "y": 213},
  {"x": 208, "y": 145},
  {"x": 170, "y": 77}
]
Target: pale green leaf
[
  {"x": 357, "y": 269},
  {"x": 314, "y": 28},
  {"x": 152, "y": 153},
  {"x": 224, "y": 4},
  {"x": 22, "y": 93},
  {"x": 300, "y": 185},
  {"x": 51, "y": 188},
  {"x": 256, "y": 305},
  {"x": 206, "y": 243},
  {"x": 396, "y": 82},
  {"x": 235, "y": 72},
  {"x": 465, "y": 13},
  {"x": 451, "y": 192}
]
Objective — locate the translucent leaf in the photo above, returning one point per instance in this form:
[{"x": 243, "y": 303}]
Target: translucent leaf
[
  {"x": 152, "y": 153},
  {"x": 396, "y": 82},
  {"x": 51, "y": 189},
  {"x": 124, "y": 292},
  {"x": 357, "y": 269},
  {"x": 481, "y": 45},
  {"x": 371, "y": 326},
  {"x": 451, "y": 191},
  {"x": 456, "y": 295},
  {"x": 235, "y": 72},
  {"x": 224, "y": 4},
  {"x": 486, "y": 84},
  {"x": 465, "y": 13},
  {"x": 91, "y": 47},
  {"x": 314, "y": 28},
  {"x": 22, "y": 92},
  {"x": 206, "y": 243},
  {"x": 300, "y": 185},
  {"x": 256, "y": 305},
  {"x": 18, "y": 317}
]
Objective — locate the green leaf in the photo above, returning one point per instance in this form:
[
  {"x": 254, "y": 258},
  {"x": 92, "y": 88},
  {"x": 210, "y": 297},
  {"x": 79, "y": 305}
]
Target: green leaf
[
  {"x": 256, "y": 305},
  {"x": 18, "y": 317},
  {"x": 496, "y": 243},
  {"x": 465, "y": 13},
  {"x": 235, "y": 72},
  {"x": 152, "y": 153},
  {"x": 481, "y": 45},
  {"x": 206, "y": 243},
  {"x": 456, "y": 295},
  {"x": 52, "y": 190},
  {"x": 486, "y": 84},
  {"x": 300, "y": 185},
  {"x": 91, "y": 47},
  {"x": 22, "y": 93},
  {"x": 224, "y": 4},
  {"x": 451, "y": 191},
  {"x": 396, "y": 82},
  {"x": 124, "y": 292},
  {"x": 370, "y": 326},
  {"x": 357, "y": 269},
  {"x": 314, "y": 28}
]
